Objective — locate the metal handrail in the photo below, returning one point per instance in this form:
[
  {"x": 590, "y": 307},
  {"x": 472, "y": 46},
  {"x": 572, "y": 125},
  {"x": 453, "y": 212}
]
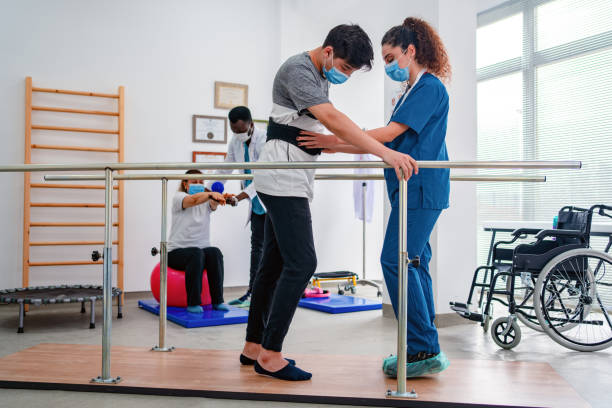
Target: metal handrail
[
  {"x": 169, "y": 176},
  {"x": 291, "y": 165},
  {"x": 108, "y": 168}
]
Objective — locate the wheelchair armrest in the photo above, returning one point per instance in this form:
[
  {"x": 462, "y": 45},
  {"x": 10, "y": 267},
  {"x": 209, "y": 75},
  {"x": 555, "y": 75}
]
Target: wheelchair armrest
[
  {"x": 559, "y": 233},
  {"x": 525, "y": 231}
]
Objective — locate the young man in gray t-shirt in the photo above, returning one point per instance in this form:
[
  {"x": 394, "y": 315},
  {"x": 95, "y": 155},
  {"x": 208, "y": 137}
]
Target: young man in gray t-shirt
[{"x": 300, "y": 103}]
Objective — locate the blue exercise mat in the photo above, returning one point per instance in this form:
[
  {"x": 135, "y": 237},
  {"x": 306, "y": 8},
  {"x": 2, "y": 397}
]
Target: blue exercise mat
[
  {"x": 340, "y": 304},
  {"x": 209, "y": 317}
]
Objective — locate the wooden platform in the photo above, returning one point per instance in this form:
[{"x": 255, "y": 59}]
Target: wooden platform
[{"x": 346, "y": 380}]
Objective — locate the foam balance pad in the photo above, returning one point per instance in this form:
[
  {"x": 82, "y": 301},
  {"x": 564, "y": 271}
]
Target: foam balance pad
[
  {"x": 209, "y": 317},
  {"x": 340, "y": 304}
]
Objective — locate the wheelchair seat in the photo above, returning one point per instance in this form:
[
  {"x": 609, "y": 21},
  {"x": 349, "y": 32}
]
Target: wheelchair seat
[{"x": 573, "y": 231}]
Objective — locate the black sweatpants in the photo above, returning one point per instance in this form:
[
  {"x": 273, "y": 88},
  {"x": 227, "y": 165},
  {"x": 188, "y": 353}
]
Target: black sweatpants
[
  {"x": 258, "y": 222},
  {"x": 288, "y": 262},
  {"x": 193, "y": 261}
]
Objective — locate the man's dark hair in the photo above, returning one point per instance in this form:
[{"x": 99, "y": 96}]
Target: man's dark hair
[
  {"x": 352, "y": 44},
  {"x": 239, "y": 113}
]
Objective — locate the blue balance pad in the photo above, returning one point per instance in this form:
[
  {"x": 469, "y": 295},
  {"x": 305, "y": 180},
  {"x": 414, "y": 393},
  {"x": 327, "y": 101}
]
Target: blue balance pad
[
  {"x": 209, "y": 317},
  {"x": 340, "y": 304}
]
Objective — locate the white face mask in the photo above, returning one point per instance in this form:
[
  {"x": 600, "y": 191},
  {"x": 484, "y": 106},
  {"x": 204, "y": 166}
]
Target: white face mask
[{"x": 244, "y": 137}]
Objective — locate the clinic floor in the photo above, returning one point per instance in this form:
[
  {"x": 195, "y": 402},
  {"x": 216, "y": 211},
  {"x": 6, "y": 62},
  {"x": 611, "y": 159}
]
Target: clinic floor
[{"x": 363, "y": 333}]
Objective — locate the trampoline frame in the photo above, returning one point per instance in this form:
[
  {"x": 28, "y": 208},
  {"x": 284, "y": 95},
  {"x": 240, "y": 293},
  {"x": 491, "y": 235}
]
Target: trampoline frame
[{"x": 5, "y": 297}]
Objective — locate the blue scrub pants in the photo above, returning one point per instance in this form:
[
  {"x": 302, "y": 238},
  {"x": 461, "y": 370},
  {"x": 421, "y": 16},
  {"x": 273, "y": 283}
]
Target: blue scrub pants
[{"x": 422, "y": 334}]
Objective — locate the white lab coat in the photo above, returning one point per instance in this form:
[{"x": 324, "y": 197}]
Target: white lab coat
[{"x": 235, "y": 154}]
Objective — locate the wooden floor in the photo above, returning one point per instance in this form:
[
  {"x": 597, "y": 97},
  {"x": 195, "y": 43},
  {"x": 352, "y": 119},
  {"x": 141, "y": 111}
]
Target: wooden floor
[{"x": 348, "y": 379}]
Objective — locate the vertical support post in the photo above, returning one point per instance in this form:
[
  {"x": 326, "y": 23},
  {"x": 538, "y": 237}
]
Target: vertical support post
[
  {"x": 364, "y": 187},
  {"x": 120, "y": 199},
  {"x": 107, "y": 281},
  {"x": 25, "y": 274},
  {"x": 163, "y": 272},
  {"x": 402, "y": 302}
]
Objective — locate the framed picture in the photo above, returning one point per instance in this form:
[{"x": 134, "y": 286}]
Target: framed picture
[
  {"x": 209, "y": 129},
  {"x": 208, "y": 157},
  {"x": 228, "y": 95},
  {"x": 261, "y": 124}
]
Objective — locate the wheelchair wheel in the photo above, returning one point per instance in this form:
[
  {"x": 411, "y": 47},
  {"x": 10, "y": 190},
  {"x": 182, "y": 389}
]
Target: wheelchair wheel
[
  {"x": 574, "y": 299},
  {"x": 523, "y": 295},
  {"x": 504, "y": 336}
]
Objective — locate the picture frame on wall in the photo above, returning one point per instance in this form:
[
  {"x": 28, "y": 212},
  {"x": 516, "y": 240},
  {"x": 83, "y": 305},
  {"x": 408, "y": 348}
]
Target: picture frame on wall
[
  {"x": 208, "y": 157},
  {"x": 261, "y": 124},
  {"x": 229, "y": 95},
  {"x": 209, "y": 129}
]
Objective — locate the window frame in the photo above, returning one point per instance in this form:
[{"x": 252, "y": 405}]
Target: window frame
[{"x": 528, "y": 62}]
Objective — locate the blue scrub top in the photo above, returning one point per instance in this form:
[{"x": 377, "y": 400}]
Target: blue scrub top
[{"x": 425, "y": 112}]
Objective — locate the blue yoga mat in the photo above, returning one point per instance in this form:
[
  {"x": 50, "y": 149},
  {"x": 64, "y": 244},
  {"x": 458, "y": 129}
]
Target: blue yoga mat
[
  {"x": 340, "y": 304},
  {"x": 209, "y": 317}
]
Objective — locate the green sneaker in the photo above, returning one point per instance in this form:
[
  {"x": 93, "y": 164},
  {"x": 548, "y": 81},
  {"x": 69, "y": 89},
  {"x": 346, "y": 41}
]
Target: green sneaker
[
  {"x": 246, "y": 304},
  {"x": 240, "y": 301}
]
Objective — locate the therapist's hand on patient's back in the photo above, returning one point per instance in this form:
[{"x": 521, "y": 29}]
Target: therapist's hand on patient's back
[
  {"x": 401, "y": 162},
  {"x": 313, "y": 140}
]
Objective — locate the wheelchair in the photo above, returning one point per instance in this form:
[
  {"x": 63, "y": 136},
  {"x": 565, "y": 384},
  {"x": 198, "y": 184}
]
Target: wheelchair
[{"x": 556, "y": 284}]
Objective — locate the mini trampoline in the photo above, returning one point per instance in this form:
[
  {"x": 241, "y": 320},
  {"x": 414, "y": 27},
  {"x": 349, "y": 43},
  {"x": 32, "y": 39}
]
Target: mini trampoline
[{"x": 50, "y": 295}]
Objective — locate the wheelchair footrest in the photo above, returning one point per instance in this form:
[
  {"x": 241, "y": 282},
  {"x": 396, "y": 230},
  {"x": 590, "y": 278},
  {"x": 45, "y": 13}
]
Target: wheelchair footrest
[{"x": 463, "y": 311}]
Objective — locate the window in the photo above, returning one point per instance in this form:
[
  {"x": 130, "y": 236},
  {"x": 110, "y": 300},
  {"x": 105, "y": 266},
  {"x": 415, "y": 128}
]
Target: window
[{"x": 545, "y": 93}]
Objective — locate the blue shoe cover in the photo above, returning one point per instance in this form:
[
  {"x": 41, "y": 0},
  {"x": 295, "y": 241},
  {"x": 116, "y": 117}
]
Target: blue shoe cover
[
  {"x": 432, "y": 365},
  {"x": 222, "y": 307},
  {"x": 194, "y": 309}
]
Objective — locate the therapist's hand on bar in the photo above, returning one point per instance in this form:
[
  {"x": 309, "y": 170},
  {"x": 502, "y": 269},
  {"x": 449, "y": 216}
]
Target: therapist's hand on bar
[{"x": 401, "y": 163}]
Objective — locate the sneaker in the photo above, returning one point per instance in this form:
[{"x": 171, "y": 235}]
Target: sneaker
[
  {"x": 246, "y": 304},
  {"x": 238, "y": 302}
]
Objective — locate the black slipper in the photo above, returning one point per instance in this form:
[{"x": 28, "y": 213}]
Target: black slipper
[
  {"x": 288, "y": 372},
  {"x": 244, "y": 360}
]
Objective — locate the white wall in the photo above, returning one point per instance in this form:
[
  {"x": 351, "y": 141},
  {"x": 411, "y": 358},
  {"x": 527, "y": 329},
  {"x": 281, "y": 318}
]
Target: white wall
[
  {"x": 454, "y": 241},
  {"x": 168, "y": 58}
]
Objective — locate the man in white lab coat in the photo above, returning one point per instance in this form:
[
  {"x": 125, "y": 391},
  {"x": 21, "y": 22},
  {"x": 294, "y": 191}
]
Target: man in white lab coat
[{"x": 245, "y": 146}]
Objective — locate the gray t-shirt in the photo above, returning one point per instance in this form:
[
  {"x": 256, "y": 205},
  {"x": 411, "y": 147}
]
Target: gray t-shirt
[
  {"x": 298, "y": 85},
  {"x": 190, "y": 226}
]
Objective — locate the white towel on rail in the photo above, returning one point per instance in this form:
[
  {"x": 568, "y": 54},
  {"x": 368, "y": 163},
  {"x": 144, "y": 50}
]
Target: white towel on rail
[{"x": 358, "y": 190}]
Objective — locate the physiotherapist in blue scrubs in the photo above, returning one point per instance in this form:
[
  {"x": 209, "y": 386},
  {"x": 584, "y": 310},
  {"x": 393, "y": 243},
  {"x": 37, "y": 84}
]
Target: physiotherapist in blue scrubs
[{"x": 414, "y": 54}]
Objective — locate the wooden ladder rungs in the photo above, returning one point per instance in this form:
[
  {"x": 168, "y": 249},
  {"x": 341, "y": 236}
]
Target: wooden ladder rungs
[
  {"x": 69, "y": 243},
  {"x": 80, "y": 205},
  {"x": 76, "y": 148},
  {"x": 70, "y": 224},
  {"x": 80, "y": 111},
  {"x": 71, "y": 129},
  {"x": 77, "y": 186},
  {"x": 62, "y": 91},
  {"x": 68, "y": 263}
]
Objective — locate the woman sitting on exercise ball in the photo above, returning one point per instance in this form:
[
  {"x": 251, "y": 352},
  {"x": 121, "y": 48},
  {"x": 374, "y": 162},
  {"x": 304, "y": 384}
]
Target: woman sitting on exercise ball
[{"x": 189, "y": 246}]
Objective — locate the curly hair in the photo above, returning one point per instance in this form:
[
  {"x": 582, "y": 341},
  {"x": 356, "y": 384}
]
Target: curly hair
[{"x": 430, "y": 51}]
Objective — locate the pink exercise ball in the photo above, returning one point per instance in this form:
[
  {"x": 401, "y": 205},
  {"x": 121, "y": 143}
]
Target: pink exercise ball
[{"x": 177, "y": 295}]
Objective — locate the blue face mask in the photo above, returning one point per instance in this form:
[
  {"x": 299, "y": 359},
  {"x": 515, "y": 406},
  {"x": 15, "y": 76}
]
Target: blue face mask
[
  {"x": 196, "y": 188},
  {"x": 333, "y": 75},
  {"x": 396, "y": 73}
]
